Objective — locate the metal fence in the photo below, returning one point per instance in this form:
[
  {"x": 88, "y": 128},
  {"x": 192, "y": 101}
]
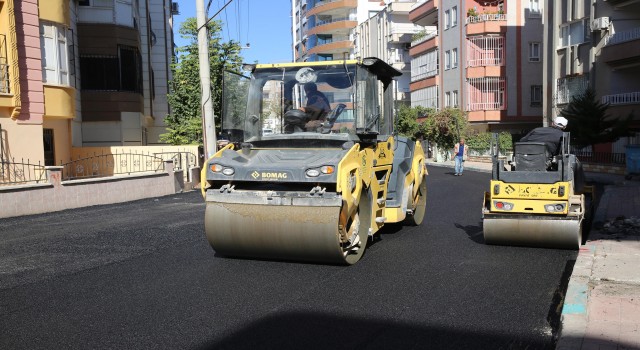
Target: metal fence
[
  {"x": 21, "y": 173},
  {"x": 104, "y": 165},
  {"x": 181, "y": 161},
  {"x": 601, "y": 157}
]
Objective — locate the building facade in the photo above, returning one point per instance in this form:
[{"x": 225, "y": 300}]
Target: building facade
[
  {"x": 77, "y": 73},
  {"x": 387, "y": 35},
  {"x": 325, "y": 29},
  {"x": 593, "y": 44},
  {"x": 483, "y": 57}
]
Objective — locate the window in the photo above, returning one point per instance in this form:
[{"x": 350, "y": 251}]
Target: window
[
  {"x": 454, "y": 58},
  {"x": 447, "y": 99},
  {"x": 574, "y": 33},
  {"x": 55, "y": 62},
  {"x": 112, "y": 73},
  {"x": 534, "y": 8},
  {"x": 536, "y": 95},
  {"x": 424, "y": 66},
  {"x": 49, "y": 149},
  {"x": 447, "y": 60},
  {"x": 454, "y": 16},
  {"x": 534, "y": 52},
  {"x": 447, "y": 19},
  {"x": 454, "y": 98}
]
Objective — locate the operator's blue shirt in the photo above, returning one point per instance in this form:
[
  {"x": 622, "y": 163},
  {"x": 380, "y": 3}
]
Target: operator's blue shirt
[{"x": 460, "y": 151}]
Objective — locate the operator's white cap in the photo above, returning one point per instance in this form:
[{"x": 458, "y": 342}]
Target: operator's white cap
[{"x": 561, "y": 122}]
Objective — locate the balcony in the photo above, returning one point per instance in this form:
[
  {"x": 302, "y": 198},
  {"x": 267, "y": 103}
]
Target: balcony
[
  {"x": 486, "y": 98},
  {"x": 623, "y": 104},
  {"x": 331, "y": 46},
  {"x": 332, "y": 7},
  {"x": 485, "y": 56},
  {"x": 340, "y": 25},
  {"x": 570, "y": 87},
  {"x": 424, "y": 43},
  {"x": 622, "y": 48},
  {"x": 486, "y": 23},
  {"x": 402, "y": 32},
  {"x": 425, "y": 13}
]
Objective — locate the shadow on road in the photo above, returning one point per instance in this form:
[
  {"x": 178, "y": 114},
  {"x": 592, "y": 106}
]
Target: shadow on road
[
  {"x": 293, "y": 330},
  {"x": 474, "y": 232}
]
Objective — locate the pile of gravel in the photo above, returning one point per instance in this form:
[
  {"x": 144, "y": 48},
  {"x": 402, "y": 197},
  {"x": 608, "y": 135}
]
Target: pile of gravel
[{"x": 622, "y": 226}]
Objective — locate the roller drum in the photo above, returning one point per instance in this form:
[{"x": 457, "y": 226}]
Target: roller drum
[
  {"x": 283, "y": 232},
  {"x": 561, "y": 233}
]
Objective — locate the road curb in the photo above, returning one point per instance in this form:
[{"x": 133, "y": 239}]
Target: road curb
[{"x": 574, "y": 316}]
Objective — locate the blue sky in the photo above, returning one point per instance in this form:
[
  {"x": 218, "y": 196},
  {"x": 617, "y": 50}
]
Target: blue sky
[{"x": 265, "y": 24}]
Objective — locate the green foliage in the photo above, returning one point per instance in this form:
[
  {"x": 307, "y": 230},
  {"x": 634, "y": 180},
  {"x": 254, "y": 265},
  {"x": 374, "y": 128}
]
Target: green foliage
[
  {"x": 482, "y": 141},
  {"x": 589, "y": 123},
  {"x": 445, "y": 127},
  {"x": 472, "y": 12},
  {"x": 407, "y": 123},
  {"x": 184, "y": 124},
  {"x": 419, "y": 35}
]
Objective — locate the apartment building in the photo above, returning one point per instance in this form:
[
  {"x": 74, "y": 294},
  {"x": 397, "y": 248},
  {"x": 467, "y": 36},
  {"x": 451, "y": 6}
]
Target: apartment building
[
  {"x": 483, "y": 57},
  {"x": 77, "y": 73},
  {"x": 325, "y": 29},
  {"x": 596, "y": 44},
  {"x": 387, "y": 35}
]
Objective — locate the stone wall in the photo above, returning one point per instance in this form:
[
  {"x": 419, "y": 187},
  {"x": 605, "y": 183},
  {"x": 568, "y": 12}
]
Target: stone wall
[{"x": 56, "y": 195}]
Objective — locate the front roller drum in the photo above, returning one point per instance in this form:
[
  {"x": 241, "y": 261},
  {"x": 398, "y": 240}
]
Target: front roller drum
[
  {"x": 560, "y": 233},
  {"x": 281, "y": 232}
]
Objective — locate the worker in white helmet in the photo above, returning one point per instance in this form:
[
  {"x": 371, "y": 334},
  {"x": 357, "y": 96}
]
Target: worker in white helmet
[{"x": 551, "y": 136}]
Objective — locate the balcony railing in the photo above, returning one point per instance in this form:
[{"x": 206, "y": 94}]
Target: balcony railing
[
  {"x": 485, "y": 51},
  {"x": 567, "y": 88},
  {"x": 622, "y": 99},
  {"x": 485, "y": 17},
  {"x": 624, "y": 36},
  {"x": 332, "y": 20},
  {"x": 486, "y": 94},
  {"x": 4, "y": 66}
]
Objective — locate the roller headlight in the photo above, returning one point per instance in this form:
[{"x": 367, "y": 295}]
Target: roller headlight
[
  {"x": 218, "y": 168},
  {"x": 554, "y": 208},
  {"x": 313, "y": 172},
  {"x": 325, "y": 170}
]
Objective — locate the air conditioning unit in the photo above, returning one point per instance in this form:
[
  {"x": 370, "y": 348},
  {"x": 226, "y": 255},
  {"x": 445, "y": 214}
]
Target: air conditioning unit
[
  {"x": 175, "y": 9},
  {"x": 600, "y": 23}
]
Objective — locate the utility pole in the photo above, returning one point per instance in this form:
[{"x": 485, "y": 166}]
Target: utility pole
[{"x": 206, "y": 104}]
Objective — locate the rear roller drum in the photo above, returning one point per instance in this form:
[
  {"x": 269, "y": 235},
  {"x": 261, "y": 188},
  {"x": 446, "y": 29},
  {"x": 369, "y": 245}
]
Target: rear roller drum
[
  {"x": 418, "y": 205},
  {"x": 358, "y": 231}
]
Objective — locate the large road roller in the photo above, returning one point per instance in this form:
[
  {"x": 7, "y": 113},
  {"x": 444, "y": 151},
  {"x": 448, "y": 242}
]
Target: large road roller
[
  {"x": 312, "y": 169},
  {"x": 538, "y": 199}
]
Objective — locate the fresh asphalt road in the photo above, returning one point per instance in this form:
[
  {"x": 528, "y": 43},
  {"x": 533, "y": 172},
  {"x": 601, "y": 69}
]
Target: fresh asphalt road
[{"x": 141, "y": 275}]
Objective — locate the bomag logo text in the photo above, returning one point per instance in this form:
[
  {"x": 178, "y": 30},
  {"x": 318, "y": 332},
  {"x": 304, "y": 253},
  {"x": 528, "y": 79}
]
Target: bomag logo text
[{"x": 269, "y": 175}]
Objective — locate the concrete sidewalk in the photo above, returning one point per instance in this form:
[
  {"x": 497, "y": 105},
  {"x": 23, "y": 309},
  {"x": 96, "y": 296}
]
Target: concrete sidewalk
[{"x": 602, "y": 305}]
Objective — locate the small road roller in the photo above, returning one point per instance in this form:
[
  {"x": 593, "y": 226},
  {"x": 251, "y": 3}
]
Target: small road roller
[
  {"x": 538, "y": 200},
  {"x": 312, "y": 169}
]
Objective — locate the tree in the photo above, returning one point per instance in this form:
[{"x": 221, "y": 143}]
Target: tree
[
  {"x": 184, "y": 123},
  {"x": 589, "y": 123},
  {"x": 407, "y": 121},
  {"x": 446, "y": 126}
]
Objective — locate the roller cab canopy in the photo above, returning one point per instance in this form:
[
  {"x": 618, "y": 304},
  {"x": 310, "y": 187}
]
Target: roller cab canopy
[{"x": 267, "y": 104}]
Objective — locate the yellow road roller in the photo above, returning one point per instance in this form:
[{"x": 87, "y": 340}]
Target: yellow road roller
[
  {"x": 538, "y": 199},
  {"x": 312, "y": 169}
]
